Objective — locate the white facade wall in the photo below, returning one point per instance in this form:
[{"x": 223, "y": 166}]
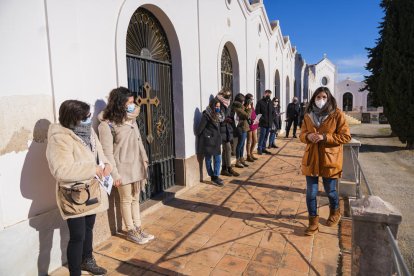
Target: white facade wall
[
  {"x": 52, "y": 51},
  {"x": 359, "y": 102}
]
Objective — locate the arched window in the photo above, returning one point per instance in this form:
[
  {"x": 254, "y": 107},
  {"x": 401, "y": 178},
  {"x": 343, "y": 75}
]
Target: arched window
[
  {"x": 277, "y": 85},
  {"x": 260, "y": 79},
  {"x": 226, "y": 70},
  {"x": 370, "y": 103},
  {"x": 347, "y": 102}
]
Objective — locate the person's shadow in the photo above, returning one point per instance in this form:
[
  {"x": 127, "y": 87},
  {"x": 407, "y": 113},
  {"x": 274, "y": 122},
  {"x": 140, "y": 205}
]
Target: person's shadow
[
  {"x": 200, "y": 156},
  {"x": 37, "y": 184}
]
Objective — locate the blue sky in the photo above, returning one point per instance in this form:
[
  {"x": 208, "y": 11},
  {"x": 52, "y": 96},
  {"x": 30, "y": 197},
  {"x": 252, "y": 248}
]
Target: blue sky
[{"x": 340, "y": 28}]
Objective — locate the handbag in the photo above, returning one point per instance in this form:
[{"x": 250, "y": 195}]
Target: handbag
[{"x": 80, "y": 197}]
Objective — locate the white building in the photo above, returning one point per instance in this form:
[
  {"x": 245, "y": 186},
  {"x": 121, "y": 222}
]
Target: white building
[
  {"x": 187, "y": 50},
  {"x": 323, "y": 73},
  {"x": 350, "y": 98}
]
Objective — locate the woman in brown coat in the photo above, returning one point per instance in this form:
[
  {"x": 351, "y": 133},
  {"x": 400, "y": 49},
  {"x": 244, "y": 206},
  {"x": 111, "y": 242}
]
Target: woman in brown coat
[
  {"x": 122, "y": 144},
  {"x": 324, "y": 131}
]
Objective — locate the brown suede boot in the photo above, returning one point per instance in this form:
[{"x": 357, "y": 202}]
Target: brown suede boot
[
  {"x": 313, "y": 227},
  {"x": 243, "y": 162},
  {"x": 249, "y": 159},
  {"x": 233, "y": 172},
  {"x": 334, "y": 217},
  {"x": 254, "y": 157},
  {"x": 239, "y": 164}
]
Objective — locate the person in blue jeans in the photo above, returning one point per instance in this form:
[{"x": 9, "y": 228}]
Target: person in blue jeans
[
  {"x": 242, "y": 112},
  {"x": 324, "y": 131},
  {"x": 209, "y": 143},
  {"x": 264, "y": 107}
]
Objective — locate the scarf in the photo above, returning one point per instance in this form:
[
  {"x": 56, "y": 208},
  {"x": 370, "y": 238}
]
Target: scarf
[
  {"x": 84, "y": 132},
  {"x": 318, "y": 115},
  {"x": 224, "y": 101},
  {"x": 214, "y": 116}
]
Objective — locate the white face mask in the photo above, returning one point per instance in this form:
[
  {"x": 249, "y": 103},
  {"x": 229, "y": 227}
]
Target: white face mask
[{"x": 320, "y": 103}]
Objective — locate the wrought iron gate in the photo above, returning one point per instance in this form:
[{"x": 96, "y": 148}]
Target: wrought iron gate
[
  {"x": 226, "y": 70},
  {"x": 149, "y": 76}
]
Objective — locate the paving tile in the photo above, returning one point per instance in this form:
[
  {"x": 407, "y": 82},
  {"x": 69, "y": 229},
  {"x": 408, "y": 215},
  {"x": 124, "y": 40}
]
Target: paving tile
[
  {"x": 127, "y": 269},
  {"x": 289, "y": 272},
  {"x": 192, "y": 268},
  {"x": 207, "y": 257},
  {"x": 159, "y": 246},
  {"x": 272, "y": 240},
  {"x": 267, "y": 257},
  {"x": 323, "y": 268},
  {"x": 258, "y": 269},
  {"x": 232, "y": 264},
  {"x": 219, "y": 272},
  {"x": 243, "y": 251},
  {"x": 296, "y": 263}
]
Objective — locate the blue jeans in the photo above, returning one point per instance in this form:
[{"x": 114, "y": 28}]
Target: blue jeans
[
  {"x": 217, "y": 164},
  {"x": 329, "y": 184},
  {"x": 272, "y": 137},
  {"x": 240, "y": 145},
  {"x": 264, "y": 134}
]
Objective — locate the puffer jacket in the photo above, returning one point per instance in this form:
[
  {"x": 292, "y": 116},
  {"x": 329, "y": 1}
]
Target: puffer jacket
[
  {"x": 70, "y": 161},
  {"x": 325, "y": 158}
]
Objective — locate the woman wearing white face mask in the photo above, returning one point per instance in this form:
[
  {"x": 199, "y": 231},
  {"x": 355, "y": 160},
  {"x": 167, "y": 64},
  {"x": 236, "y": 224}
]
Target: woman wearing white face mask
[
  {"x": 122, "y": 144},
  {"x": 324, "y": 131}
]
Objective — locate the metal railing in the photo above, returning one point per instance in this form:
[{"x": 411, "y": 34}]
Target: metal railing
[{"x": 399, "y": 262}]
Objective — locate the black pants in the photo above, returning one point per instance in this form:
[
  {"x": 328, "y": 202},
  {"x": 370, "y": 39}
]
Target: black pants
[
  {"x": 289, "y": 125},
  {"x": 80, "y": 242}
]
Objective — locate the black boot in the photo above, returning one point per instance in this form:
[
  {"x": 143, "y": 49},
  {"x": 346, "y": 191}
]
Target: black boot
[
  {"x": 233, "y": 172},
  {"x": 217, "y": 181},
  {"x": 89, "y": 264},
  {"x": 225, "y": 172}
]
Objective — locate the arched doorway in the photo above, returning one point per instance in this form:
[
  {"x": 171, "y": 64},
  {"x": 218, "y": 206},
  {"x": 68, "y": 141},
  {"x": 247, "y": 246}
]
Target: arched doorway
[
  {"x": 370, "y": 103},
  {"x": 226, "y": 70},
  {"x": 277, "y": 85},
  {"x": 287, "y": 91},
  {"x": 260, "y": 80},
  {"x": 149, "y": 69},
  {"x": 347, "y": 101}
]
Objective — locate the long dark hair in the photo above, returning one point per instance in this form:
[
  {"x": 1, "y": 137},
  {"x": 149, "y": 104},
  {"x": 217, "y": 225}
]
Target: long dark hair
[
  {"x": 239, "y": 98},
  {"x": 115, "y": 110},
  {"x": 73, "y": 111},
  {"x": 330, "y": 103}
]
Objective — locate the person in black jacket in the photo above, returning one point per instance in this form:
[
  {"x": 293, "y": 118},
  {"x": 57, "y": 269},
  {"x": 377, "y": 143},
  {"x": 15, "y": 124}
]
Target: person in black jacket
[
  {"x": 277, "y": 123},
  {"x": 292, "y": 116},
  {"x": 210, "y": 139},
  {"x": 302, "y": 109},
  {"x": 226, "y": 131},
  {"x": 264, "y": 107}
]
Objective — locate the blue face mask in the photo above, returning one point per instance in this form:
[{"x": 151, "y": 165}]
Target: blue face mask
[
  {"x": 87, "y": 121},
  {"x": 130, "y": 108},
  {"x": 217, "y": 109}
]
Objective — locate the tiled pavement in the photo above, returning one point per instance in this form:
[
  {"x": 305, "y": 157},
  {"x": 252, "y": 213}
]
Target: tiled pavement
[{"x": 253, "y": 225}]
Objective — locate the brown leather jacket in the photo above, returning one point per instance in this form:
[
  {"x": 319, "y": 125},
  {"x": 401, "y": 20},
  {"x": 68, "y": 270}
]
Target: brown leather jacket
[{"x": 325, "y": 158}]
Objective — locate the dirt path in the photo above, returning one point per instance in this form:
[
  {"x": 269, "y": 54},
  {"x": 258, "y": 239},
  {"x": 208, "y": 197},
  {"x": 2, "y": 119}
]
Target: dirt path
[{"x": 389, "y": 169}]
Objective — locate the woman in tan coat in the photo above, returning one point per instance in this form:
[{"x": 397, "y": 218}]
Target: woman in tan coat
[
  {"x": 75, "y": 157},
  {"x": 122, "y": 144},
  {"x": 324, "y": 131}
]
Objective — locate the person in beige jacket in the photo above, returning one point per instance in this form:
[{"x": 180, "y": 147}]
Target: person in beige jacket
[
  {"x": 122, "y": 144},
  {"x": 75, "y": 156}
]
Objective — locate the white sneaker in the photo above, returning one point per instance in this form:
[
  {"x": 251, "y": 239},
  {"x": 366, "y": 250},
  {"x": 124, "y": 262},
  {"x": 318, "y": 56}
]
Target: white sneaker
[
  {"x": 135, "y": 236},
  {"x": 144, "y": 234}
]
